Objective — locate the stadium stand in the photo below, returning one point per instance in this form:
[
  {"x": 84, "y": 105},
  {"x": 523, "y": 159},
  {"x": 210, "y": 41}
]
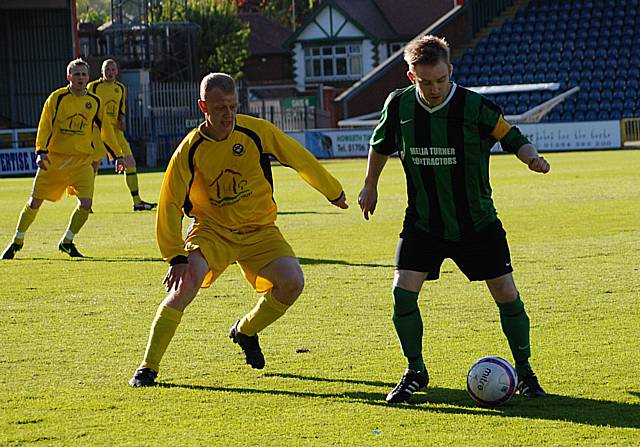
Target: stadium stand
[{"x": 591, "y": 44}]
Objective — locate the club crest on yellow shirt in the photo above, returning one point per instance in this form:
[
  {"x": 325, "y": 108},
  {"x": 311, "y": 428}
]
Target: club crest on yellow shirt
[
  {"x": 238, "y": 149},
  {"x": 88, "y": 105}
]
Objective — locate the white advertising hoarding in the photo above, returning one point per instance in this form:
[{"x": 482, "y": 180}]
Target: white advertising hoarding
[{"x": 340, "y": 143}]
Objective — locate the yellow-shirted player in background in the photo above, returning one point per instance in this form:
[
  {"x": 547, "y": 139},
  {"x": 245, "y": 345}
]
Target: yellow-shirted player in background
[
  {"x": 113, "y": 94},
  {"x": 221, "y": 176},
  {"x": 65, "y": 154}
]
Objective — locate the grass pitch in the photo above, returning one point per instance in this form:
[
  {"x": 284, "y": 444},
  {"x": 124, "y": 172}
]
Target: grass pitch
[{"x": 73, "y": 331}]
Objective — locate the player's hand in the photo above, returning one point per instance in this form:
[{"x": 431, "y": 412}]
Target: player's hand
[
  {"x": 539, "y": 164},
  {"x": 42, "y": 160},
  {"x": 175, "y": 276},
  {"x": 367, "y": 199},
  {"x": 341, "y": 202},
  {"x": 122, "y": 123},
  {"x": 96, "y": 166},
  {"x": 121, "y": 165}
]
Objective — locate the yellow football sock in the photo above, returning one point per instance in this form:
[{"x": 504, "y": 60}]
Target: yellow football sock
[
  {"x": 78, "y": 219},
  {"x": 267, "y": 310},
  {"x": 27, "y": 216},
  {"x": 162, "y": 330},
  {"x": 131, "y": 178}
]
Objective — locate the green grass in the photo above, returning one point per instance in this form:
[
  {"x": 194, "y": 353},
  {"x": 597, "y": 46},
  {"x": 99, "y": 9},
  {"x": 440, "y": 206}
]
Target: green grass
[{"x": 73, "y": 331}]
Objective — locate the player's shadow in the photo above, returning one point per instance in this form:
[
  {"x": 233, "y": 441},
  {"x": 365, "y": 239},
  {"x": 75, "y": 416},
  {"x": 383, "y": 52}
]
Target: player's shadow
[
  {"x": 310, "y": 261},
  {"x": 457, "y": 401},
  {"x": 94, "y": 259},
  {"x": 294, "y": 213}
]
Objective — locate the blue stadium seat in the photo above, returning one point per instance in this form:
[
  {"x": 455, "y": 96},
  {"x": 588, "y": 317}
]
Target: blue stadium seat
[
  {"x": 569, "y": 106},
  {"x": 505, "y": 79},
  {"x": 606, "y": 95},
  {"x": 551, "y": 116},
  {"x": 592, "y": 105},
  {"x": 575, "y": 64},
  {"x": 567, "y": 116},
  {"x": 619, "y": 94},
  {"x": 587, "y": 65},
  {"x": 620, "y": 62},
  {"x": 604, "y": 115},
  {"x": 591, "y": 115},
  {"x": 578, "y": 116},
  {"x": 516, "y": 78}
]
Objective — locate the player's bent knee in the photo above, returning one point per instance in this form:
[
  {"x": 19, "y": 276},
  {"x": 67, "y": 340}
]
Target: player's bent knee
[{"x": 290, "y": 288}]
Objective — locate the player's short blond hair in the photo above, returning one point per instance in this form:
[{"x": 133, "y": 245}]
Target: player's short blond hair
[
  {"x": 428, "y": 50},
  {"x": 221, "y": 81},
  {"x": 107, "y": 62},
  {"x": 77, "y": 62}
]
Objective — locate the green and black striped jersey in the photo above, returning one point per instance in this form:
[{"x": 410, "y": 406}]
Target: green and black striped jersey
[{"x": 445, "y": 155}]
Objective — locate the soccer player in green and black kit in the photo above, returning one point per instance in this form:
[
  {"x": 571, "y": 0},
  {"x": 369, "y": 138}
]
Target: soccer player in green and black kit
[{"x": 444, "y": 134}]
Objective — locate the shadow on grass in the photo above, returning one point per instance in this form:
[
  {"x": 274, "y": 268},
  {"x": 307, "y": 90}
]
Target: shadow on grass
[
  {"x": 455, "y": 401},
  {"x": 92, "y": 259},
  {"x": 309, "y": 261},
  {"x": 293, "y": 213},
  {"x": 303, "y": 261}
]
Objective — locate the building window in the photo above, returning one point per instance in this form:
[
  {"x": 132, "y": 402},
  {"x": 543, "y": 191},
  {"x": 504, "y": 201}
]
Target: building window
[
  {"x": 395, "y": 46},
  {"x": 333, "y": 62}
]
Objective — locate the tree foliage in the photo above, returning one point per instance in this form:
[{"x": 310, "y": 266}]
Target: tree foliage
[
  {"x": 289, "y": 13},
  {"x": 222, "y": 41},
  {"x": 93, "y": 11}
]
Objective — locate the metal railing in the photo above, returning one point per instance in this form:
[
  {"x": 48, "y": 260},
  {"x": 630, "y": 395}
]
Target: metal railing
[
  {"x": 630, "y": 132},
  {"x": 160, "y": 115}
]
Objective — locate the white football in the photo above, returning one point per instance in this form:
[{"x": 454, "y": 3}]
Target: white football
[{"x": 491, "y": 381}]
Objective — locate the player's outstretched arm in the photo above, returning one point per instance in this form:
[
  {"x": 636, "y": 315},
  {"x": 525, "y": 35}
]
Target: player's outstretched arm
[
  {"x": 368, "y": 197},
  {"x": 528, "y": 154}
]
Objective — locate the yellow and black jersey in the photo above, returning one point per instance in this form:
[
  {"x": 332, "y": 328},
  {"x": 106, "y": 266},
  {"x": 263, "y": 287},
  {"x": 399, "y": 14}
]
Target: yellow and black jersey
[
  {"x": 229, "y": 182},
  {"x": 113, "y": 96},
  {"x": 67, "y": 123}
]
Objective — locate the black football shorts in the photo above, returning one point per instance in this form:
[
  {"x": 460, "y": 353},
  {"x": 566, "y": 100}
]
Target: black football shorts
[{"x": 480, "y": 256}]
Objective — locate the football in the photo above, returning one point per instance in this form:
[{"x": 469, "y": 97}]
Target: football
[{"x": 491, "y": 381}]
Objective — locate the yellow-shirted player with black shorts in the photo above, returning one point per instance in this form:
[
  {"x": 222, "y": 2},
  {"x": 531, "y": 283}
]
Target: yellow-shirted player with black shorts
[
  {"x": 221, "y": 176},
  {"x": 65, "y": 146},
  {"x": 113, "y": 94}
]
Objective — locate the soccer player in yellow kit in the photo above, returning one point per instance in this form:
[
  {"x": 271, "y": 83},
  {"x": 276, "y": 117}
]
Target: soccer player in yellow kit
[
  {"x": 221, "y": 176},
  {"x": 113, "y": 94},
  {"x": 65, "y": 148}
]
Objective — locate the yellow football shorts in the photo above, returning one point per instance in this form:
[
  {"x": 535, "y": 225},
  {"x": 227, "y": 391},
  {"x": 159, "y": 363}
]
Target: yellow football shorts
[
  {"x": 65, "y": 171},
  {"x": 252, "y": 251}
]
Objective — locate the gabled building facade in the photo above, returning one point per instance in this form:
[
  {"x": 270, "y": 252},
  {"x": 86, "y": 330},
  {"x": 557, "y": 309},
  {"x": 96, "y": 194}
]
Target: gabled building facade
[{"x": 345, "y": 39}]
